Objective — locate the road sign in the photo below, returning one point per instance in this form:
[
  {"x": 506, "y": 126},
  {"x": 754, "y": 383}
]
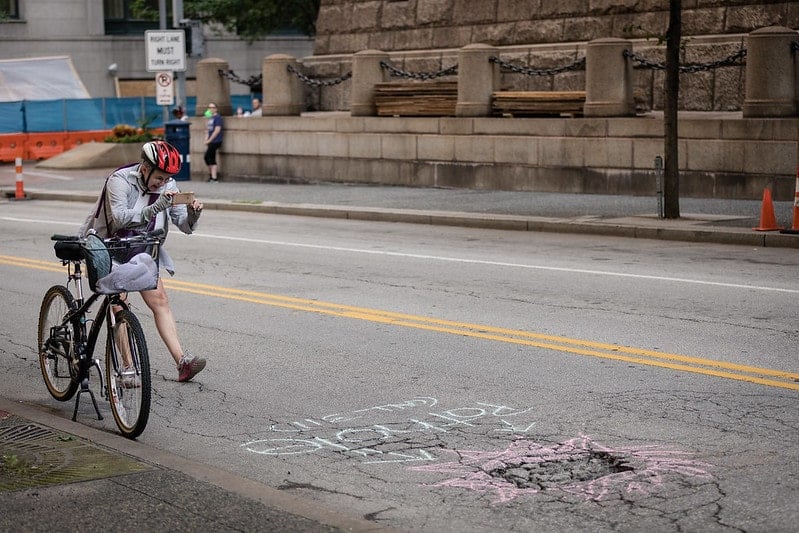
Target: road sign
[
  {"x": 165, "y": 50},
  {"x": 164, "y": 89}
]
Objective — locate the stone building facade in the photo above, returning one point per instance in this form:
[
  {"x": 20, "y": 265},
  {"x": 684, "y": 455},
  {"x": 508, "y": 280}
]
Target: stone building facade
[
  {"x": 424, "y": 36},
  {"x": 346, "y": 26}
]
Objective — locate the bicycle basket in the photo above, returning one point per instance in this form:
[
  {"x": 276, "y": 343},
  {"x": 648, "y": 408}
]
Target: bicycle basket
[{"x": 98, "y": 260}]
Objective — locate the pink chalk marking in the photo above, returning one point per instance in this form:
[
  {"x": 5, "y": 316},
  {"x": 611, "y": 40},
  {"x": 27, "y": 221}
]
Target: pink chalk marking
[{"x": 649, "y": 465}]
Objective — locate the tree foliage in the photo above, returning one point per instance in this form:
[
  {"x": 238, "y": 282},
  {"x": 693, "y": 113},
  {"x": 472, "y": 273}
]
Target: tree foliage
[
  {"x": 249, "y": 19},
  {"x": 255, "y": 19}
]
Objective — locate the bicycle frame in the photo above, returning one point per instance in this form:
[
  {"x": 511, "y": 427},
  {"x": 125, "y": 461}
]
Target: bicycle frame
[{"x": 86, "y": 341}]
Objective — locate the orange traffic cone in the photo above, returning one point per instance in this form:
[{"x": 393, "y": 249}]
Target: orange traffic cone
[{"x": 768, "y": 222}]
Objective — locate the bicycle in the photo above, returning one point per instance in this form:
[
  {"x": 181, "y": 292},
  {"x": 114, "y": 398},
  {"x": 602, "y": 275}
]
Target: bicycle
[{"x": 67, "y": 342}]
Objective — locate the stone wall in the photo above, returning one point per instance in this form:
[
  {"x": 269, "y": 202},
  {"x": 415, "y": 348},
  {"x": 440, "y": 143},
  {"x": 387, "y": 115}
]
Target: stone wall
[
  {"x": 424, "y": 36},
  {"x": 347, "y": 26},
  {"x": 723, "y": 157}
]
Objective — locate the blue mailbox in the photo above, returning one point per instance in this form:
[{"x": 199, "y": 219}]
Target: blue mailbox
[{"x": 176, "y": 133}]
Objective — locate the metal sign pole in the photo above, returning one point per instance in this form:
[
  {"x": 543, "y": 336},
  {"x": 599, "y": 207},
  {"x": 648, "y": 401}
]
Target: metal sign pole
[
  {"x": 659, "y": 178},
  {"x": 165, "y": 51},
  {"x": 180, "y": 86},
  {"x": 162, "y": 25}
]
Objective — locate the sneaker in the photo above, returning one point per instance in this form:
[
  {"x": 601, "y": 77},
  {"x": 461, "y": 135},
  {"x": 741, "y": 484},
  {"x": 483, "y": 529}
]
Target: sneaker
[
  {"x": 189, "y": 367},
  {"x": 129, "y": 379}
]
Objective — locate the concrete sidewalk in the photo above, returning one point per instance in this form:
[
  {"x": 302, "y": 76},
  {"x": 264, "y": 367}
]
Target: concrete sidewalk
[
  {"x": 702, "y": 220},
  {"x": 59, "y": 475}
]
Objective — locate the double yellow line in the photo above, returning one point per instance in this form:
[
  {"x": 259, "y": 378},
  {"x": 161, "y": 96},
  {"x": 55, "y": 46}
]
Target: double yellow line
[
  {"x": 23, "y": 262},
  {"x": 683, "y": 363},
  {"x": 762, "y": 376}
]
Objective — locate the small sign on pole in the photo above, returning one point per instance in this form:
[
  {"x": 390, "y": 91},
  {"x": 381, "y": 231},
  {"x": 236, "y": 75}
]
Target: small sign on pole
[
  {"x": 165, "y": 50},
  {"x": 164, "y": 89}
]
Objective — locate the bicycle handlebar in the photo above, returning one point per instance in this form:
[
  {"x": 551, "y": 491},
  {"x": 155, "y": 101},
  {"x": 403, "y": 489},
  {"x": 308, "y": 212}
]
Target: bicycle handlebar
[
  {"x": 143, "y": 236},
  {"x": 58, "y": 237}
]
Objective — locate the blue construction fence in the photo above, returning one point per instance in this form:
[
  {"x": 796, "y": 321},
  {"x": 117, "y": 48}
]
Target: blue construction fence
[{"x": 40, "y": 116}]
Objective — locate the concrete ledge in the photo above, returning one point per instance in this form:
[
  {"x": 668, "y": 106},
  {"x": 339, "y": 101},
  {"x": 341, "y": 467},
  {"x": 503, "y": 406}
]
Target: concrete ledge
[
  {"x": 94, "y": 155},
  {"x": 516, "y": 176},
  {"x": 722, "y": 155}
]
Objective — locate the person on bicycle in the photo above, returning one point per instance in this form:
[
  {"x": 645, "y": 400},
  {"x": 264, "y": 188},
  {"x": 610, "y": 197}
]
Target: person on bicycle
[{"x": 138, "y": 198}]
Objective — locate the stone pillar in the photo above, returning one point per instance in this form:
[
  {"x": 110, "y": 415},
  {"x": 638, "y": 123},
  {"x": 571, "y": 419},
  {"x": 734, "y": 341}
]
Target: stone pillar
[
  {"x": 366, "y": 73},
  {"x": 770, "y": 73},
  {"x": 608, "y": 79},
  {"x": 213, "y": 87},
  {"x": 283, "y": 91},
  {"x": 478, "y": 78}
]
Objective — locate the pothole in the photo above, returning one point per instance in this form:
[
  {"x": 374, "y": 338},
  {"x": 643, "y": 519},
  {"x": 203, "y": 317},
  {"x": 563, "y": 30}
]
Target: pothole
[{"x": 539, "y": 474}]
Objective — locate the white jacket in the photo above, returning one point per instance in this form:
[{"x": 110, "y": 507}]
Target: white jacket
[{"x": 120, "y": 206}]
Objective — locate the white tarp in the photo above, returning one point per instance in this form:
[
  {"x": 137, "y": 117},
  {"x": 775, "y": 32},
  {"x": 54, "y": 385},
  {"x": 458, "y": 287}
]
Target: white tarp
[{"x": 40, "y": 78}]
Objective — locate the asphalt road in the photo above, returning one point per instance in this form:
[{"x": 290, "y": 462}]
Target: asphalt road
[{"x": 454, "y": 379}]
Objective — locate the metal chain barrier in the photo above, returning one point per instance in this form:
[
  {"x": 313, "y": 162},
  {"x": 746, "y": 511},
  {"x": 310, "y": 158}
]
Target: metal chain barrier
[
  {"x": 735, "y": 59},
  {"x": 397, "y": 73},
  {"x": 252, "y": 81},
  {"x": 579, "y": 64},
  {"x": 315, "y": 82}
]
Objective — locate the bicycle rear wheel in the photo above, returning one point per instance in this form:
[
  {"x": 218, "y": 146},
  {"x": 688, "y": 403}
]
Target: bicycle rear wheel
[
  {"x": 57, "y": 339},
  {"x": 127, "y": 368}
]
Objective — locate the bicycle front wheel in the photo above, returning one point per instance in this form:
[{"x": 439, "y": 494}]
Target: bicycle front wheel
[
  {"x": 127, "y": 370},
  {"x": 57, "y": 337}
]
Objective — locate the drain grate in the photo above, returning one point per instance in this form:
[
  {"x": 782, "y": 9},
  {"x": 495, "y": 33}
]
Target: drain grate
[
  {"x": 24, "y": 433},
  {"x": 35, "y": 456},
  {"x": 589, "y": 465}
]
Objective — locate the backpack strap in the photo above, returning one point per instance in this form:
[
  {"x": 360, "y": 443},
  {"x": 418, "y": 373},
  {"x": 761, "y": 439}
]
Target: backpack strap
[{"x": 101, "y": 203}]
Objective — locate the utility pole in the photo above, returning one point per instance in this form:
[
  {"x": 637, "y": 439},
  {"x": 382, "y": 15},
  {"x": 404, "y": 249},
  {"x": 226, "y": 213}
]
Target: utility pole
[{"x": 671, "y": 189}]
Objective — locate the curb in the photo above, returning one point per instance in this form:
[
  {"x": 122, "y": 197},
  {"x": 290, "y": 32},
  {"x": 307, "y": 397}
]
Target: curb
[
  {"x": 222, "y": 479},
  {"x": 630, "y": 227}
]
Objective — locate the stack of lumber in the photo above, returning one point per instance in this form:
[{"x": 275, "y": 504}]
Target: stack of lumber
[
  {"x": 538, "y": 103},
  {"x": 416, "y": 98}
]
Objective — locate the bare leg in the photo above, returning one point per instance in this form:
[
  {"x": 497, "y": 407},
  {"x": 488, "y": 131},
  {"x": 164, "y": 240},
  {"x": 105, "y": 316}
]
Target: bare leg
[
  {"x": 121, "y": 337},
  {"x": 123, "y": 344},
  {"x": 213, "y": 170},
  {"x": 158, "y": 303}
]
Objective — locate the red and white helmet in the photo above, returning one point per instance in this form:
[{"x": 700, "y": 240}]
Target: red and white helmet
[{"x": 162, "y": 156}]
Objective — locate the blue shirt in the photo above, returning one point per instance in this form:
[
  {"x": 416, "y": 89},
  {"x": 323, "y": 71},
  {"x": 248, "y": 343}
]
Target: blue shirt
[{"x": 213, "y": 122}]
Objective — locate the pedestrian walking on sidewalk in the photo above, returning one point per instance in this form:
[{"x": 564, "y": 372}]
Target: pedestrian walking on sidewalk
[
  {"x": 213, "y": 141},
  {"x": 137, "y": 198}
]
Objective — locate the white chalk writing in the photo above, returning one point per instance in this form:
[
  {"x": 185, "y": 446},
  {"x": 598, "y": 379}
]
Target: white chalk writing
[{"x": 379, "y": 425}]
